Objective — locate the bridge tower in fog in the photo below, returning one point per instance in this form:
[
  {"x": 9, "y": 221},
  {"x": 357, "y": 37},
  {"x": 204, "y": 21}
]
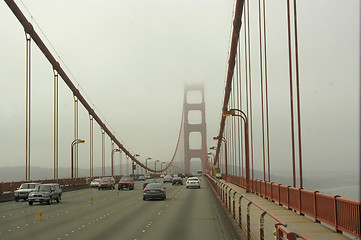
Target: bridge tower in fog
[{"x": 197, "y": 130}]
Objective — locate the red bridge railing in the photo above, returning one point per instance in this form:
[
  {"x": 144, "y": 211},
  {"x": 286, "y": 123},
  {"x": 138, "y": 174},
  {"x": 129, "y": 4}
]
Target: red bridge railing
[{"x": 340, "y": 213}]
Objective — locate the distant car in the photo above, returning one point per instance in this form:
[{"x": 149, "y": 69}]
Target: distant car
[
  {"x": 167, "y": 178},
  {"x": 46, "y": 193},
  {"x": 106, "y": 183},
  {"x": 147, "y": 181},
  {"x": 161, "y": 176},
  {"x": 95, "y": 183},
  {"x": 218, "y": 174},
  {"x": 141, "y": 178},
  {"x": 154, "y": 191},
  {"x": 193, "y": 182},
  {"x": 126, "y": 182},
  {"x": 147, "y": 176},
  {"x": 177, "y": 180},
  {"x": 24, "y": 190}
]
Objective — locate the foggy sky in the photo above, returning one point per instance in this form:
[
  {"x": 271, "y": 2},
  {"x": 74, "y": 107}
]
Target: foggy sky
[{"x": 132, "y": 58}]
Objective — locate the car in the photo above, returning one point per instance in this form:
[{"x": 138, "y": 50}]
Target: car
[
  {"x": 147, "y": 176},
  {"x": 162, "y": 176},
  {"x": 23, "y": 191},
  {"x": 141, "y": 178},
  {"x": 218, "y": 174},
  {"x": 167, "y": 178},
  {"x": 126, "y": 182},
  {"x": 193, "y": 182},
  {"x": 106, "y": 183},
  {"x": 147, "y": 181},
  {"x": 154, "y": 191},
  {"x": 45, "y": 193},
  {"x": 177, "y": 180},
  {"x": 95, "y": 183}
]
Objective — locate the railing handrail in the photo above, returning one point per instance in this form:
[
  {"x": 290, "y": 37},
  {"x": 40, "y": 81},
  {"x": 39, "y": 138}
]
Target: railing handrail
[{"x": 332, "y": 218}]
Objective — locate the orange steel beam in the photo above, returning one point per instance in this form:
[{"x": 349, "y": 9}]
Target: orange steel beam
[{"x": 237, "y": 23}]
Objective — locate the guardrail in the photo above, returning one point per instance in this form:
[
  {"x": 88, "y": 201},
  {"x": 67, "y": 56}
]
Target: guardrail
[
  {"x": 339, "y": 213},
  {"x": 241, "y": 211}
]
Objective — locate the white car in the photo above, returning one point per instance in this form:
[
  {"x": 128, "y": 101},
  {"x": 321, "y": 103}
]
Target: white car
[
  {"x": 193, "y": 182},
  {"x": 95, "y": 183}
]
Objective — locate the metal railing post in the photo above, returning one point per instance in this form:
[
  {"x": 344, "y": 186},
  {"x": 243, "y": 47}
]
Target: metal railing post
[
  {"x": 229, "y": 200},
  {"x": 226, "y": 197},
  {"x": 234, "y": 205},
  {"x": 240, "y": 211},
  {"x": 249, "y": 220},
  {"x": 261, "y": 225}
]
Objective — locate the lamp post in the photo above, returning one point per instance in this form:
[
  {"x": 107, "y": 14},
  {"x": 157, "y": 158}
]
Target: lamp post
[
  {"x": 232, "y": 112},
  {"x": 161, "y": 165},
  {"x": 225, "y": 145},
  {"x": 146, "y": 162},
  {"x": 135, "y": 155},
  {"x": 113, "y": 151},
  {"x": 73, "y": 143},
  {"x": 155, "y": 164}
]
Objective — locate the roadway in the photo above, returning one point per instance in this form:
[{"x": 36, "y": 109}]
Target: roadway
[{"x": 185, "y": 214}]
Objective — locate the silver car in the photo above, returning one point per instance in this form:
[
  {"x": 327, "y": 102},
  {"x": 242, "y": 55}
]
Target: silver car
[{"x": 24, "y": 190}]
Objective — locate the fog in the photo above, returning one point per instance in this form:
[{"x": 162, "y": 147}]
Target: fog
[{"x": 131, "y": 60}]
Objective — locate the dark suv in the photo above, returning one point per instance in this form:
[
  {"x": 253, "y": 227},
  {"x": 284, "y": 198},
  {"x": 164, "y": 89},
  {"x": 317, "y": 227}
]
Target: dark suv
[{"x": 45, "y": 193}]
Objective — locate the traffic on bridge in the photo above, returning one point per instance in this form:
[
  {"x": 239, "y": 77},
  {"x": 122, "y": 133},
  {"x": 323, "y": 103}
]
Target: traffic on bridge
[{"x": 205, "y": 119}]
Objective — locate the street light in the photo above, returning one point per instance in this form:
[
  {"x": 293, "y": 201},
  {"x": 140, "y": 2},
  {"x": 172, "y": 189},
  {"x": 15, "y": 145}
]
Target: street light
[
  {"x": 161, "y": 165},
  {"x": 113, "y": 151},
  {"x": 135, "y": 155},
  {"x": 73, "y": 143},
  {"x": 225, "y": 145},
  {"x": 155, "y": 164},
  {"x": 146, "y": 162},
  {"x": 232, "y": 112}
]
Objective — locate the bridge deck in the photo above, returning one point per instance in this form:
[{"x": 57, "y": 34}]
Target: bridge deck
[{"x": 295, "y": 222}]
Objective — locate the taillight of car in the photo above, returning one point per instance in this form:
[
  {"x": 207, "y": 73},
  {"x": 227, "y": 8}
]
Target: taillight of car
[
  {"x": 160, "y": 190},
  {"x": 144, "y": 190},
  {"x": 187, "y": 182},
  {"x": 198, "y": 182}
]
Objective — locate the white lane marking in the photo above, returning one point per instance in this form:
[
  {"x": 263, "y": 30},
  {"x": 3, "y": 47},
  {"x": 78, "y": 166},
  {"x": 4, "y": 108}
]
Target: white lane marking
[
  {"x": 143, "y": 231},
  {"x": 17, "y": 227}
]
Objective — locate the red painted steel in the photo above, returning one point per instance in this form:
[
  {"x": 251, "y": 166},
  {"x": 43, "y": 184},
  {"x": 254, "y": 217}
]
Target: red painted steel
[
  {"x": 293, "y": 194},
  {"x": 269, "y": 190},
  {"x": 325, "y": 208},
  {"x": 340, "y": 213},
  {"x": 348, "y": 216},
  {"x": 283, "y": 195},
  {"x": 307, "y": 202}
]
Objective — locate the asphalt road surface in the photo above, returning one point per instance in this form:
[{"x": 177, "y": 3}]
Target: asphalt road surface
[{"x": 185, "y": 214}]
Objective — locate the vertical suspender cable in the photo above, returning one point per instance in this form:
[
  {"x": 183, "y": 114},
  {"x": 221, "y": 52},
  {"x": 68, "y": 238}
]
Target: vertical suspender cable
[
  {"x": 91, "y": 135},
  {"x": 103, "y": 152},
  {"x": 291, "y": 93},
  {"x": 56, "y": 124},
  {"x": 261, "y": 84},
  {"x": 240, "y": 125},
  {"x": 249, "y": 113},
  {"x": 266, "y": 87},
  {"x": 28, "y": 105},
  {"x": 76, "y": 135},
  {"x": 298, "y": 93}
]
